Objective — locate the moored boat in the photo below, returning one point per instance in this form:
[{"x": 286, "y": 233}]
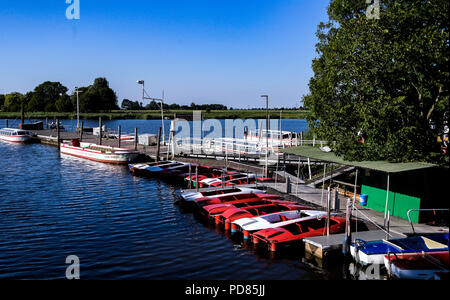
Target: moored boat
[
  {"x": 292, "y": 234},
  {"x": 98, "y": 153},
  {"x": 191, "y": 196},
  {"x": 235, "y": 179},
  {"x": 232, "y": 199},
  {"x": 373, "y": 252},
  {"x": 14, "y": 135},
  {"x": 236, "y": 213},
  {"x": 420, "y": 265},
  {"x": 251, "y": 224},
  {"x": 214, "y": 210},
  {"x": 156, "y": 168}
]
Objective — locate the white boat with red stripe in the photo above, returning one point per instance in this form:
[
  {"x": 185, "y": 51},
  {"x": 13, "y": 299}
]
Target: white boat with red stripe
[
  {"x": 99, "y": 153},
  {"x": 14, "y": 135}
]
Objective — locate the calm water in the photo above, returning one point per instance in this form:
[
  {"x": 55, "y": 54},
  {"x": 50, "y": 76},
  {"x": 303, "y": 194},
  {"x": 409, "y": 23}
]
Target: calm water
[
  {"x": 120, "y": 226},
  {"x": 151, "y": 126}
]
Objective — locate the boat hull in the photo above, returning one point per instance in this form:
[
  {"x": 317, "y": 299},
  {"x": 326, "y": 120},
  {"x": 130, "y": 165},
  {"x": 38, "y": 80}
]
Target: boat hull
[
  {"x": 417, "y": 265},
  {"x": 117, "y": 157},
  {"x": 15, "y": 139},
  {"x": 373, "y": 252}
]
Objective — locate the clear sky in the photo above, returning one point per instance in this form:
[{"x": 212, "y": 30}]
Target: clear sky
[{"x": 203, "y": 51}]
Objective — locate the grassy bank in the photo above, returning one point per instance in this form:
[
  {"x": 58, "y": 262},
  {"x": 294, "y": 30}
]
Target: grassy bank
[{"x": 155, "y": 114}]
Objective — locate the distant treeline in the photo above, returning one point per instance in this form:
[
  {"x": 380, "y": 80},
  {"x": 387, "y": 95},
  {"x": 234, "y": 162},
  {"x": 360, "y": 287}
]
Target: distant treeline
[
  {"x": 153, "y": 105},
  {"x": 96, "y": 98},
  {"x": 52, "y": 97}
]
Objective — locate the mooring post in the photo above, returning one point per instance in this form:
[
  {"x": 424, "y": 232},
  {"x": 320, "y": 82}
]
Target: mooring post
[
  {"x": 81, "y": 131},
  {"x": 46, "y": 122},
  {"x": 196, "y": 178},
  {"x": 288, "y": 185},
  {"x": 57, "y": 134},
  {"x": 222, "y": 179},
  {"x": 348, "y": 232},
  {"x": 328, "y": 210},
  {"x": 119, "y": 134},
  {"x": 158, "y": 144},
  {"x": 135, "y": 138},
  {"x": 190, "y": 176},
  {"x": 22, "y": 113},
  {"x": 323, "y": 182},
  {"x": 7, "y": 123},
  {"x": 309, "y": 169},
  {"x": 337, "y": 203},
  {"x": 100, "y": 133},
  {"x": 388, "y": 221}
]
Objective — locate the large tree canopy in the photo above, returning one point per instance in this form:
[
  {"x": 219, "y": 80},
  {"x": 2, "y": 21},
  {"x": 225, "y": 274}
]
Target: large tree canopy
[
  {"x": 380, "y": 85},
  {"x": 45, "y": 96},
  {"x": 97, "y": 97}
]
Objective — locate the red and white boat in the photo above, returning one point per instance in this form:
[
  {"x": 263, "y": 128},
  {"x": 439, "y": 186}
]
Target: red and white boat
[
  {"x": 14, "y": 135},
  {"x": 99, "y": 153},
  {"x": 419, "y": 265}
]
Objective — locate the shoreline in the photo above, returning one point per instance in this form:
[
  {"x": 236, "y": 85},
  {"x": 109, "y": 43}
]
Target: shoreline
[{"x": 156, "y": 115}]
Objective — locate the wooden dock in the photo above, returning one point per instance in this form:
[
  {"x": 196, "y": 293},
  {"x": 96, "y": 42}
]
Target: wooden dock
[{"x": 329, "y": 248}]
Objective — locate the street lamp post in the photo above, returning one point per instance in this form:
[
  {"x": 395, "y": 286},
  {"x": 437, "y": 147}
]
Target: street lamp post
[
  {"x": 267, "y": 134},
  {"x": 78, "y": 108},
  {"x": 161, "y": 105}
]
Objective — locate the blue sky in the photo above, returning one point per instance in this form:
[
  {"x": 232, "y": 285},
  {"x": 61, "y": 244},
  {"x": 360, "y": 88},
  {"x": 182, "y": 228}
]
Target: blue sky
[{"x": 203, "y": 51}]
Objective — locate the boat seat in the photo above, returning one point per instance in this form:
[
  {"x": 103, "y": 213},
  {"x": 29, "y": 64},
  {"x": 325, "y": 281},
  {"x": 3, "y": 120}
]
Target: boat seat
[
  {"x": 433, "y": 244},
  {"x": 283, "y": 218}
]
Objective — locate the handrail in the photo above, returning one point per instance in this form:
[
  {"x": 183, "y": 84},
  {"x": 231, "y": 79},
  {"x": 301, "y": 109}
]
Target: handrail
[{"x": 421, "y": 209}]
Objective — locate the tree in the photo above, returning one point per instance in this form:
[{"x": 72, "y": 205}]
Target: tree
[
  {"x": 379, "y": 84},
  {"x": 13, "y": 102},
  {"x": 131, "y": 105},
  {"x": 97, "y": 97},
  {"x": 64, "y": 104},
  {"x": 45, "y": 95},
  {"x": 2, "y": 101}
]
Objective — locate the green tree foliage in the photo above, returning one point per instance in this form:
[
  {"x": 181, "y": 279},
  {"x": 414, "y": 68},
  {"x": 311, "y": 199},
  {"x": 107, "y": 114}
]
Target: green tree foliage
[
  {"x": 2, "y": 101},
  {"x": 381, "y": 81},
  {"x": 131, "y": 105},
  {"x": 45, "y": 95},
  {"x": 97, "y": 97},
  {"x": 13, "y": 102},
  {"x": 64, "y": 104}
]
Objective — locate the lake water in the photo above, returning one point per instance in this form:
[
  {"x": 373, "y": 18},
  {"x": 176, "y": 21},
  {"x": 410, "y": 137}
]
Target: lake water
[{"x": 118, "y": 225}]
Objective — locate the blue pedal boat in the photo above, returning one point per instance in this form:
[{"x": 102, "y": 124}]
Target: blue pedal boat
[{"x": 373, "y": 252}]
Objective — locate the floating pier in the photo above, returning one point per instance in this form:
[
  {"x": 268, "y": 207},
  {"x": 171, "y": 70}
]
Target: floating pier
[{"x": 326, "y": 248}]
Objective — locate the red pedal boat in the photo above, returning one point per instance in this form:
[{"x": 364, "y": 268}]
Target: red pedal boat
[
  {"x": 206, "y": 172},
  {"x": 212, "y": 210},
  {"x": 292, "y": 234},
  {"x": 236, "y": 213},
  {"x": 245, "y": 197}
]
